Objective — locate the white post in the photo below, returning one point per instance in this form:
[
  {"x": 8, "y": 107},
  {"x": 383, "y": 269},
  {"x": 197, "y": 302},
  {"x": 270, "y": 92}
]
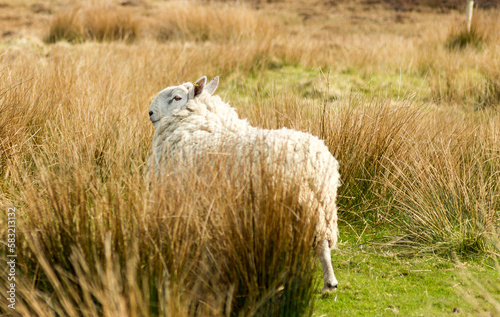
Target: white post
[{"x": 470, "y": 7}]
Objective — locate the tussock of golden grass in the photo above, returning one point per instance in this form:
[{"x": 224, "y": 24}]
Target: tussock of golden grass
[
  {"x": 476, "y": 88},
  {"x": 484, "y": 28},
  {"x": 66, "y": 26},
  {"x": 200, "y": 243},
  {"x": 217, "y": 22},
  {"x": 447, "y": 194},
  {"x": 366, "y": 134},
  {"x": 491, "y": 86},
  {"x": 11, "y": 131},
  {"x": 180, "y": 21},
  {"x": 97, "y": 23},
  {"x": 466, "y": 73}
]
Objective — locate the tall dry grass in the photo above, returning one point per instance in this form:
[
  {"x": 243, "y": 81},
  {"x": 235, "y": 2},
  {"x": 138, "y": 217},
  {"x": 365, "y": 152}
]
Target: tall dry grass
[
  {"x": 93, "y": 22},
  {"x": 465, "y": 71},
  {"x": 214, "y": 23},
  {"x": 179, "y": 21},
  {"x": 446, "y": 195},
  {"x": 484, "y": 29},
  {"x": 197, "y": 245}
]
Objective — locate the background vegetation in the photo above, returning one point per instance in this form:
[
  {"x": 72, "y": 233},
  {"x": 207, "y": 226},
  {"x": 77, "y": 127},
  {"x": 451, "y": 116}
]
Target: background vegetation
[{"x": 404, "y": 98}]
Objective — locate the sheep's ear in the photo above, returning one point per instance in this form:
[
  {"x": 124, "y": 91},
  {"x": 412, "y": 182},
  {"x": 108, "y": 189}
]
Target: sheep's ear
[
  {"x": 212, "y": 85},
  {"x": 199, "y": 85}
]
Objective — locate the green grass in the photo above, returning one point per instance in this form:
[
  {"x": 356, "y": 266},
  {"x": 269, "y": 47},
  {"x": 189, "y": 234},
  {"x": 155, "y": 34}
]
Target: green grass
[
  {"x": 317, "y": 83},
  {"x": 377, "y": 280}
]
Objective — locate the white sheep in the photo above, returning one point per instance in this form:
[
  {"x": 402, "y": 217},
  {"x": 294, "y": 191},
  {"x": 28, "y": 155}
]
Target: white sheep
[{"x": 190, "y": 121}]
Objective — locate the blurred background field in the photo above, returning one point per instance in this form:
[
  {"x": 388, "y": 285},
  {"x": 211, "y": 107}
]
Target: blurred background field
[{"x": 404, "y": 96}]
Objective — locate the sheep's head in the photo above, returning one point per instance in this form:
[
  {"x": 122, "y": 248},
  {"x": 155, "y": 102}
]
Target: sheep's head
[{"x": 176, "y": 97}]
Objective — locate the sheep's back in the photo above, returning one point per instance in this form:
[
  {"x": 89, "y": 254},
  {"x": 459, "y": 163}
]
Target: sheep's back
[
  {"x": 301, "y": 158},
  {"x": 300, "y": 154}
]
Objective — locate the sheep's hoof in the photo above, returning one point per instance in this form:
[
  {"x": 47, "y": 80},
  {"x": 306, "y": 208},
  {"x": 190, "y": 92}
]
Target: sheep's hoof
[{"x": 329, "y": 288}]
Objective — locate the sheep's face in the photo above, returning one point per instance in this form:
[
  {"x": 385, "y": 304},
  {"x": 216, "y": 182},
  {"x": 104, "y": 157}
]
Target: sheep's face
[
  {"x": 176, "y": 97},
  {"x": 168, "y": 100}
]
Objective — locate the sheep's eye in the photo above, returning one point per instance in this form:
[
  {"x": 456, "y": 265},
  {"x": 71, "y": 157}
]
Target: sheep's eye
[{"x": 177, "y": 98}]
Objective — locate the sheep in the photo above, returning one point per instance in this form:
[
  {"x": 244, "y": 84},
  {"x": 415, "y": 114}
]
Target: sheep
[{"x": 189, "y": 120}]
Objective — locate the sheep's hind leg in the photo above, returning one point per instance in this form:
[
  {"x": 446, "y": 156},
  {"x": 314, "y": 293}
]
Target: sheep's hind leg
[{"x": 325, "y": 258}]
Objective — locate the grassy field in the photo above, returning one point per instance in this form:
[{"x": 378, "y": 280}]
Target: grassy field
[{"x": 405, "y": 98}]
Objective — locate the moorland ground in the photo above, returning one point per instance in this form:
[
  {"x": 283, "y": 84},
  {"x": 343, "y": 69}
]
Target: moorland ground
[{"x": 405, "y": 98}]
